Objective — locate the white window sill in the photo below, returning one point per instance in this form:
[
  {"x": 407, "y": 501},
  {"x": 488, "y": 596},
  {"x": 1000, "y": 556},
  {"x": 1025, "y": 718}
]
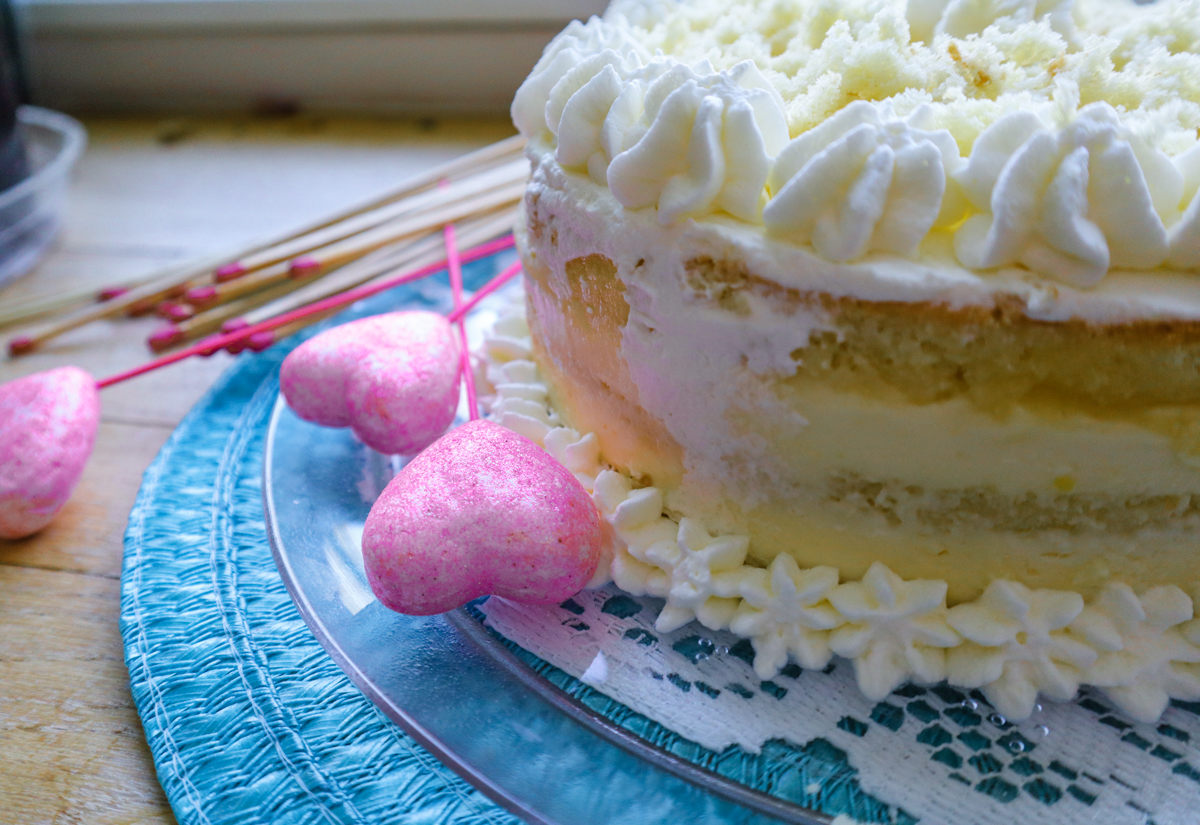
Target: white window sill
[{"x": 96, "y": 16}]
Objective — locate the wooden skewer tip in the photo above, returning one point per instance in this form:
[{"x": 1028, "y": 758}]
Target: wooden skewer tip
[
  {"x": 303, "y": 266},
  {"x": 201, "y": 297},
  {"x": 164, "y": 337},
  {"x": 112, "y": 292},
  {"x": 259, "y": 341},
  {"x": 173, "y": 311},
  {"x": 209, "y": 352},
  {"x": 21, "y": 345},
  {"x": 229, "y": 272}
]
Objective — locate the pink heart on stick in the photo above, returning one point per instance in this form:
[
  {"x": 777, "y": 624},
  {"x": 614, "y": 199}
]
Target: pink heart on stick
[
  {"x": 391, "y": 378},
  {"x": 48, "y": 424},
  {"x": 483, "y": 511}
]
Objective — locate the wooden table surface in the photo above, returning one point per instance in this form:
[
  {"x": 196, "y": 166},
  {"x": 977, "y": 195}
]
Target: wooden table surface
[{"x": 148, "y": 193}]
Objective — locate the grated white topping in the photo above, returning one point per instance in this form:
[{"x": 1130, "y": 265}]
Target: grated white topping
[{"x": 862, "y": 126}]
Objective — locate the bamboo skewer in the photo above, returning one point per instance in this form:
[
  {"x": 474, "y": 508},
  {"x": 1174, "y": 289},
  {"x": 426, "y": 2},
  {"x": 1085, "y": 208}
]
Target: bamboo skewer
[
  {"x": 289, "y": 295},
  {"x": 340, "y": 254},
  {"x": 209, "y": 295},
  {"x": 320, "y": 261},
  {"x": 464, "y": 189},
  {"x": 177, "y": 280},
  {"x": 32, "y": 309},
  {"x": 452, "y": 170},
  {"x": 211, "y": 320},
  {"x": 261, "y": 340},
  {"x": 473, "y": 233},
  {"x": 157, "y": 288},
  {"x": 386, "y": 260}
]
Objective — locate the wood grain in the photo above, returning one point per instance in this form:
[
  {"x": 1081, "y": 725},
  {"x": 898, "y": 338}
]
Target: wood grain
[{"x": 147, "y": 194}]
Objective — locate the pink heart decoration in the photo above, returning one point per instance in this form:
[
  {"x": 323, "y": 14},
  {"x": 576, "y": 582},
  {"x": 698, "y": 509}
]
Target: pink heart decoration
[
  {"x": 483, "y": 511},
  {"x": 48, "y": 424},
  {"x": 393, "y": 379}
]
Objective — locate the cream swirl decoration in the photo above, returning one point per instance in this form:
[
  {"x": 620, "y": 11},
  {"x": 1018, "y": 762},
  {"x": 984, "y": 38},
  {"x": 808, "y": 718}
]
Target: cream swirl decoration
[
  {"x": 864, "y": 181},
  {"x": 692, "y": 141},
  {"x": 577, "y": 42},
  {"x": 1012, "y": 642},
  {"x": 685, "y": 139},
  {"x": 1072, "y": 202}
]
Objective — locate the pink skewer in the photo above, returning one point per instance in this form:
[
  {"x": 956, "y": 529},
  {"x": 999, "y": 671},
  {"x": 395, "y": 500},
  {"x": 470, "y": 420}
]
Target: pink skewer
[
  {"x": 454, "y": 265},
  {"x": 484, "y": 291},
  {"x": 215, "y": 342}
]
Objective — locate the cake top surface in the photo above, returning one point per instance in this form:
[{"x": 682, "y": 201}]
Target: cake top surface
[
  {"x": 1049, "y": 137},
  {"x": 970, "y": 60}
]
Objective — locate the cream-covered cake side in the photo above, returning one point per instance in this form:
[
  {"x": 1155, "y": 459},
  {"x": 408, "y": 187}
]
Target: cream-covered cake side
[{"x": 1014, "y": 643}]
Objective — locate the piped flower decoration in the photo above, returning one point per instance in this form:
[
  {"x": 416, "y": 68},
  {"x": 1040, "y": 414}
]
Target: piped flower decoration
[
  {"x": 785, "y": 611},
  {"x": 1017, "y": 646},
  {"x": 706, "y": 573},
  {"x": 895, "y": 630},
  {"x": 1149, "y": 648}
]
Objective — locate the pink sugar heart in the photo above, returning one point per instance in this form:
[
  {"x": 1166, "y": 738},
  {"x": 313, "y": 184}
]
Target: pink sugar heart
[
  {"x": 48, "y": 424},
  {"x": 483, "y": 511},
  {"x": 391, "y": 378}
]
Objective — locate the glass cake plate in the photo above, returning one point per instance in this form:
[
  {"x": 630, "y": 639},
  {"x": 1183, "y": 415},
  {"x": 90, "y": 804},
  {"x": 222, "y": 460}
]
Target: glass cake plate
[
  {"x": 528, "y": 735},
  {"x": 450, "y": 683}
]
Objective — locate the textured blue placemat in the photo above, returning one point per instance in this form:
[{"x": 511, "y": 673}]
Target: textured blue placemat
[{"x": 248, "y": 718}]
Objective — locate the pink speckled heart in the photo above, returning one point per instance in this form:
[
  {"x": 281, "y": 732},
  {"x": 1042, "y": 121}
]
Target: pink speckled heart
[
  {"x": 483, "y": 511},
  {"x": 393, "y": 379},
  {"x": 48, "y": 424}
]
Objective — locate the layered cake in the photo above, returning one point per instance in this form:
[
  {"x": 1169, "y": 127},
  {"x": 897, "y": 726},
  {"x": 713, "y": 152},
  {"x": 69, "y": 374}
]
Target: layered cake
[{"x": 874, "y": 330}]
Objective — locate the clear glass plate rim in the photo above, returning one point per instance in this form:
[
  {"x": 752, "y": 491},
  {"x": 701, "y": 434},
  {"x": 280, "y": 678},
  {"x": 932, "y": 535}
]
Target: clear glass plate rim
[{"x": 471, "y": 629}]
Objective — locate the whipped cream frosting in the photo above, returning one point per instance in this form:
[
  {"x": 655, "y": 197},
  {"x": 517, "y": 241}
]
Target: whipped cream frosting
[
  {"x": 964, "y": 129},
  {"x": 1012, "y": 642}
]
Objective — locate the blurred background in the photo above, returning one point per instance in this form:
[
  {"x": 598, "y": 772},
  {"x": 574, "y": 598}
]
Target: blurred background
[
  {"x": 377, "y": 56},
  {"x": 158, "y": 133}
]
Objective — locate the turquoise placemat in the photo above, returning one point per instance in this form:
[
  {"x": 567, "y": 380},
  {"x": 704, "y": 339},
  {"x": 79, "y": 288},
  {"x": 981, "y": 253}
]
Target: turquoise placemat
[{"x": 247, "y": 717}]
